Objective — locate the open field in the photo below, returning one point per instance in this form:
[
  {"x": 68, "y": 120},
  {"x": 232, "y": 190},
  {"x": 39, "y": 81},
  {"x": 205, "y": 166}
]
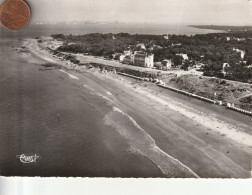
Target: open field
[{"x": 227, "y": 91}]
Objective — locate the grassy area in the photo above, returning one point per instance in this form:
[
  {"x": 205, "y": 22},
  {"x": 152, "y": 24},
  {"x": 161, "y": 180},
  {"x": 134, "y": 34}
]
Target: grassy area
[{"x": 214, "y": 88}]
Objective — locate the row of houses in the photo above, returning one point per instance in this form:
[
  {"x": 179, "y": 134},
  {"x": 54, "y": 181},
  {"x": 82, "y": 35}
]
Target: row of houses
[
  {"x": 234, "y": 38},
  {"x": 168, "y": 64},
  {"x": 144, "y": 59}
]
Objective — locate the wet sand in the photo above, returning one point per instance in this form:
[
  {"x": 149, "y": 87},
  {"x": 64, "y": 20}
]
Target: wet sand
[
  {"x": 75, "y": 144},
  {"x": 206, "y": 151}
]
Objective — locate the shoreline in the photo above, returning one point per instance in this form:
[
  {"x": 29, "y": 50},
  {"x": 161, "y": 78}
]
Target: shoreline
[
  {"x": 191, "y": 81},
  {"x": 230, "y": 131},
  {"x": 233, "y": 135}
]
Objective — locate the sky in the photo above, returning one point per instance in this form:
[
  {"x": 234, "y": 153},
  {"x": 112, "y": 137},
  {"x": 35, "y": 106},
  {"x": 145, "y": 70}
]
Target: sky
[{"x": 225, "y": 12}]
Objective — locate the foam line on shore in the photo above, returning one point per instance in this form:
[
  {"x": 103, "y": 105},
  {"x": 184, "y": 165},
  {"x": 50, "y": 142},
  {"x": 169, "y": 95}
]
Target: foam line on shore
[
  {"x": 70, "y": 75},
  {"x": 98, "y": 94},
  {"x": 141, "y": 142}
]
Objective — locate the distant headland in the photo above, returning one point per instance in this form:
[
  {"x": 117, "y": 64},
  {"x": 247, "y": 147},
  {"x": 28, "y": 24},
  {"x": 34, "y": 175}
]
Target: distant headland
[{"x": 223, "y": 27}]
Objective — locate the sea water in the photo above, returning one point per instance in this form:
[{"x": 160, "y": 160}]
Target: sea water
[{"x": 35, "y": 30}]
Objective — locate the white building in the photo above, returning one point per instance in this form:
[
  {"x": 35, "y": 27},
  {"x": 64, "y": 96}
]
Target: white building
[
  {"x": 139, "y": 58},
  {"x": 127, "y": 53},
  {"x": 176, "y": 44},
  {"x": 167, "y": 64},
  {"x": 121, "y": 58},
  {"x": 127, "y": 57},
  {"x": 141, "y": 45},
  {"x": 242, "y": 53},
  {"x": 184, "y": 56},
  {"x": 198, "y": 66},
  {"x": 239, "y": 39},
  {"x": 143, "y": 59},
  {"x": 224, "y": 66}
]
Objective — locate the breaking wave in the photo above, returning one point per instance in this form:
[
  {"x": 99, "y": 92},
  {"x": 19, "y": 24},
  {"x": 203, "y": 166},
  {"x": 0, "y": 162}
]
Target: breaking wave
[
  {"x": 140, "y": 141},
  {"x": 97, "y": 93},
  {"x": 70, "y": 75}
]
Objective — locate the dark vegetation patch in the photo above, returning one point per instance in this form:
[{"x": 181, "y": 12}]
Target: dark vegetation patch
[
  {"x": 247, "y": 100},
  {"x": 212, "y": 49},
  {"x": 51, "y": 65}
]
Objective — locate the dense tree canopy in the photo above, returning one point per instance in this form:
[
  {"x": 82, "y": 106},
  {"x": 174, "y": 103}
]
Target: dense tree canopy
[{"x": 210, "y": 49}]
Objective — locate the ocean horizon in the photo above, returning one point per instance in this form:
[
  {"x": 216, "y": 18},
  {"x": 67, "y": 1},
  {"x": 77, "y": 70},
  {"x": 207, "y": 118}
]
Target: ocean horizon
[{"x": 35, "y": 30}]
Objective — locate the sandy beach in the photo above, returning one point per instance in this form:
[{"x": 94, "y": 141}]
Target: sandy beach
[
  {"x": 117, "y": 126},
  {"x": 235, "y": 129},
  {"x": 231, "y": 130}
]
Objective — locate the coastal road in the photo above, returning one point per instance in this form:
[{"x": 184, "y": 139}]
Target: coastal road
[{"x": 95, "y": 125}]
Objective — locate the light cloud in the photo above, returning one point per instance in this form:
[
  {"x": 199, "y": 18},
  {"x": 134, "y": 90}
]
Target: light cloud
[{"x": 238, "y": 12}]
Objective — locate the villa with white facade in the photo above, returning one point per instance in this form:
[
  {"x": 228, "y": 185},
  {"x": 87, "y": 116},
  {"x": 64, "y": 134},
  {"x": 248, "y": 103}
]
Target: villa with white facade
[{"x": 138, "y": 58}]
